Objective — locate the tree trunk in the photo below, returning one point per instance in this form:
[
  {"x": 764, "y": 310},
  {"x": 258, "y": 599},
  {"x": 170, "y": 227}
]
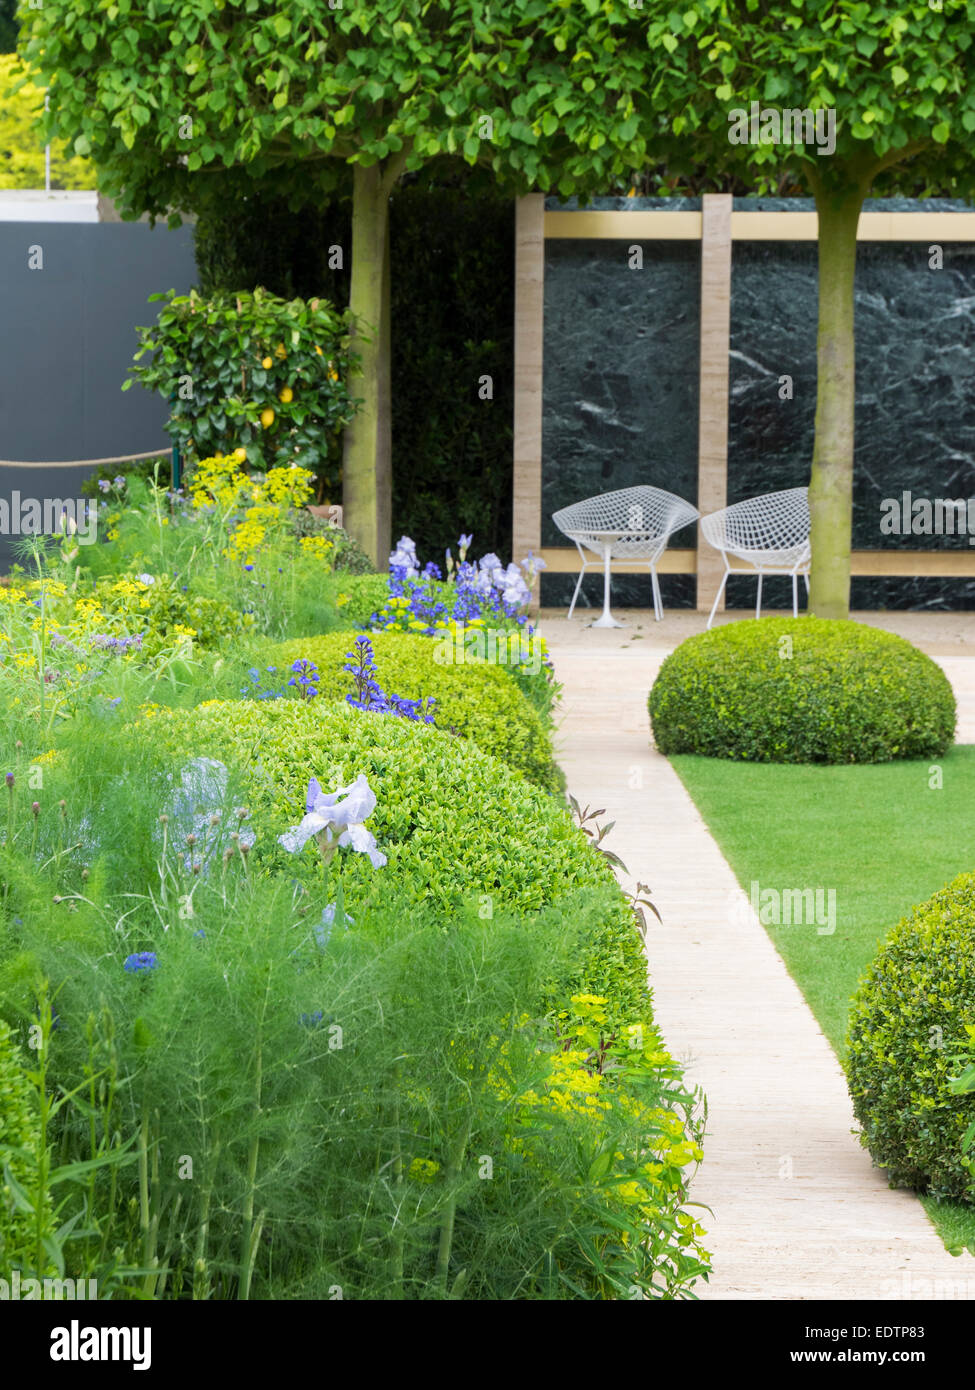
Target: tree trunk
[
  {"x": 367, "y": 452},
  {"x": 831, "y": 481}
]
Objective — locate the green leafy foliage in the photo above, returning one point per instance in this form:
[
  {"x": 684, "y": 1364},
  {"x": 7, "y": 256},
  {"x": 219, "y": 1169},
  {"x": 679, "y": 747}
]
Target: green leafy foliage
[
  {"x": 805, "y": 690},
  {"x": 20, "y": 1158},
  {"x": 907, "y": 1022},
  {"x": 228, "y": 359},
  {"x": 475, "y": 700},
  {"x": 898, "y": 76},
  {"x": 163, "y": 612},
  {"x": 357, "y": 597},
  {"x": 21, "y": 143},
  {"x": 346, "y": 555}
]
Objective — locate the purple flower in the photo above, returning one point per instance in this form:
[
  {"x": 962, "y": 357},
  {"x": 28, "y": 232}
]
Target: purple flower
[
  {"x": 344, "y": 810},
  {"x": 104, "y": 484}
]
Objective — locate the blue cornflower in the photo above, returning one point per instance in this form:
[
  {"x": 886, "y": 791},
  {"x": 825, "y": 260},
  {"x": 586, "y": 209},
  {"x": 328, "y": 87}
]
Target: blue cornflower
[
  {"x": 312, "y": 1020},
  {"x": 142, "y": 960}
]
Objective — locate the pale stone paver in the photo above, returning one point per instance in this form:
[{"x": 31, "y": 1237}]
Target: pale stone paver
[{"x": 799, "y": 1212}]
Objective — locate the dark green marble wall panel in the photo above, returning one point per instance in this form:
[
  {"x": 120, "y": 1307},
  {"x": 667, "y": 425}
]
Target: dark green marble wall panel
[
  {"x": 620, "y": 382},
  {"x": 620, "y": 393},
  {"x": 915, "y": 397}
]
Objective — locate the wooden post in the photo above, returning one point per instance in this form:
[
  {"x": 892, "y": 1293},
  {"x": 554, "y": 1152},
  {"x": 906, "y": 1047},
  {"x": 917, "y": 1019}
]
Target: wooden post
[
  {"x": 529, "y": 325},
  {"x": 712, "y": 476}
]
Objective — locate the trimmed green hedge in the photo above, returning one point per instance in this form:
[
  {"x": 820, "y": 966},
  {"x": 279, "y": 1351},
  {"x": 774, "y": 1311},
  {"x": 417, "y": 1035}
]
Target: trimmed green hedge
[
  {"x": 475, "y": 700},
  {"x": 907, "y": 1021},
  {"x": 802, "y": 690},
  {"x": 457, "y": 825}
]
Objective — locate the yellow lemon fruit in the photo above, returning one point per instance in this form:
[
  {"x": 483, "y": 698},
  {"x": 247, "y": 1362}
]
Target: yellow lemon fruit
[
  {"x": 318, "y": 350},
  {"x": 267, "y": 363},
  {"x": 279, "y": 350},
  {"x": 267, "y": 417},
  {"x": 240, "y": 455},
  {"x": 286, "y": 395}
]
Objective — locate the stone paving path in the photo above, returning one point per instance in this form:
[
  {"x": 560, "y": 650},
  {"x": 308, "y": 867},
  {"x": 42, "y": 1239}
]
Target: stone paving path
[{"x": 798, "y": 1210}]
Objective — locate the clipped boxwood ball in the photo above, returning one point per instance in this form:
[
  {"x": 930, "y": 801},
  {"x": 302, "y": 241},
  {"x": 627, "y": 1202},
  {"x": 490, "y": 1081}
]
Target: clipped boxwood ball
[
  {"x": 455, "y": 824},
  {"x": 476, "y": 700},
  {"x": 907, "y": 1020},
  {"x": 802, "y": 690}
]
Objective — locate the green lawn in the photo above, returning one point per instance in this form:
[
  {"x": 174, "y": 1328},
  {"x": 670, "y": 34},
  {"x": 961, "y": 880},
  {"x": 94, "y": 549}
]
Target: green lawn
[{"x": 880, "y": 836}]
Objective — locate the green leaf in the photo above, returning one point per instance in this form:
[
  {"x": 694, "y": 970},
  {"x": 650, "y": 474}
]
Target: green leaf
[
  {"x": 669, "y": 42},
  {"x": 20, "y": 1198},
  {"x": 941, "y": 132},
  {"x": 899, "y": 75}
]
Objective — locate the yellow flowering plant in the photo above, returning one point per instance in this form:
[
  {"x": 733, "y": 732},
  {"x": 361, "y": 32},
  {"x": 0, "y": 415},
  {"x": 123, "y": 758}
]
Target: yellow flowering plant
[
  {"x": 244, "y": 510},
  {"x": 616, "y": 1094}
]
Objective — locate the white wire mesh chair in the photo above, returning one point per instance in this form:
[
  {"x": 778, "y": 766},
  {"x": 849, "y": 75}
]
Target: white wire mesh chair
[
  {"x": 768, "y": 535},
  {"x": 630, "y": 526}
]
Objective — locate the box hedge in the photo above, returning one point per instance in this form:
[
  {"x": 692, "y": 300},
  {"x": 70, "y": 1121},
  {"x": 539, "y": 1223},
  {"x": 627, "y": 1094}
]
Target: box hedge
[
  {"x": 907, "y": 1023},
  {"x": 457, "y": 825},
  {"x": 475, "y": 700},
  {"x": 801, "y": 690}
]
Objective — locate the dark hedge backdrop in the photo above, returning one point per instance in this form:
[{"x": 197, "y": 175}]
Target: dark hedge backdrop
[{"x": 452, "y": 293}]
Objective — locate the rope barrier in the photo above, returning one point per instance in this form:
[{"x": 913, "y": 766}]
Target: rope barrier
[{"x": 89, "y": 463}]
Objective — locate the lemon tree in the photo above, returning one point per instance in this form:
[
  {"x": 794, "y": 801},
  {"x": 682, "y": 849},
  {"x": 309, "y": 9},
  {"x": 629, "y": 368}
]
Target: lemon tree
[{"x": 264, "y": 378}]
